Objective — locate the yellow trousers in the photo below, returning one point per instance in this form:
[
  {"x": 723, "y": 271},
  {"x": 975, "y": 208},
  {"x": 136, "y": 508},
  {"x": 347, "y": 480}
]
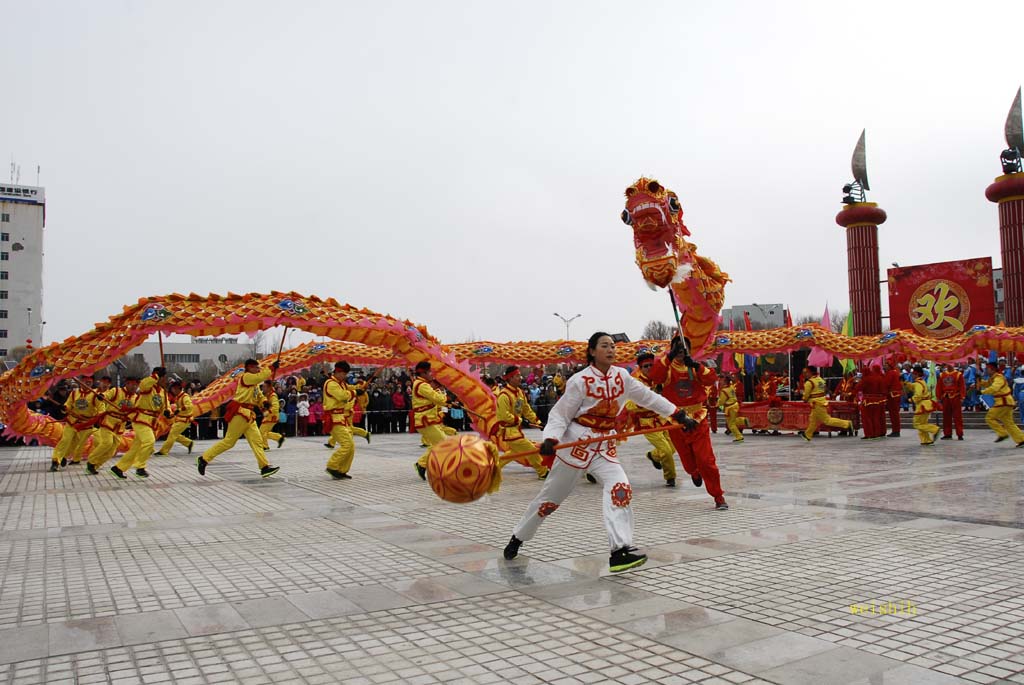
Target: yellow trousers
[
  {"x": 820, "y": 417},
  {"x": 926, "y": 431},
  {"x": 733, "y": 422},
  {"x": 356, "y": 430},
  {"x": 78, "y": 454},
  {"x": 142, "y": 447},
  {"x": 341, "y": 458},
  {"x": 104, "y": 446},
  {"x": 267, "y": 434},
  {"x": 71, "y": 442},
  {"x": 237, "y": 427},
  {"x": 1000, "y": 419},
  {"x": 432, "y": 435},
  {"x": 524, "y": 445},
  {"x": 664, "y": 453},
  {"x": 174, "y": 436}
]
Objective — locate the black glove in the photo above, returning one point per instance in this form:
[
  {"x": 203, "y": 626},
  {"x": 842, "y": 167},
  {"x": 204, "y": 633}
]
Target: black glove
[
  {"x": 275, "y": 365},
  {"x": 266, "y": 405},
  {"x": 547, "y": 448},
  {"x": 360, "y": 392},
  {"x": 691, "y": 362},
  {"x": 167, "y": 413},
  {"x": 676, "y": 348},
  {"x": 684, "y": 420}
]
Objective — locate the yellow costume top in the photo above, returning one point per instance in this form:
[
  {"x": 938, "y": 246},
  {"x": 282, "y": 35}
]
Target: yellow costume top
[
  {"x": 512, "y": 409},
  {"x": 273, "y": 412},
  {"x": 641, "y": 417},
  {"x": 338, "y": 400},
  {"x": 149, "y": 403},
  {"x": 922, "y": 397},
  {"x": 727, "y": 396},
  {"x": 117, "y": 405},
  {"x": 814, "y": 391},
  {"x": 1000, "y": 391},
  {"x": 80, "y": 407},
  {"x": 183, "y": 408},
  {"x": 426, "y": 404}
]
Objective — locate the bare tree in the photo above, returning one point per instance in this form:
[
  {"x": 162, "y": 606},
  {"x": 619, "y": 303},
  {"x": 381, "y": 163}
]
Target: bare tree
[
  {"x": 838, "y": 320},
  {"x": 805, "y": 319},
  {"x": 657, "y": 330},
  {"x": 207, "y": 371}
]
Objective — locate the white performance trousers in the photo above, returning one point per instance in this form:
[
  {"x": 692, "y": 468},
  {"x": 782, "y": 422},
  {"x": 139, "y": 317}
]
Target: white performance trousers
[{"x": 618, "y": 515}]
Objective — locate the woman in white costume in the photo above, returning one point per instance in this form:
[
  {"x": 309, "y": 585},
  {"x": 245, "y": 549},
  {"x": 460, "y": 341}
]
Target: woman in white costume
[{"x": 593, "y": 398}]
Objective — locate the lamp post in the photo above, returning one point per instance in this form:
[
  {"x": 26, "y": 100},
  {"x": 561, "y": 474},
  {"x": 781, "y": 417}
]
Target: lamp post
[{"x": 567, "y": 321}]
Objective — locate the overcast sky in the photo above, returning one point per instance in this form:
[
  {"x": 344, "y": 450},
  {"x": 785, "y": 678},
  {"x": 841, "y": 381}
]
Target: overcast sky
[{"x": 462, "y": 164}]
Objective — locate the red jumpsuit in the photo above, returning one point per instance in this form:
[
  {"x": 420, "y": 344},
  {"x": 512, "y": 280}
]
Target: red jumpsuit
[
  {"x": 894, "y": 384},
  {"x": 874, "y": 388},
  {"x": 712, "y": 405},
  {"x": 952, "y": 391},
  {"x": 686, "y": 388}
]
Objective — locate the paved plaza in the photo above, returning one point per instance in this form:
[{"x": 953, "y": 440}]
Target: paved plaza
[{"x": 302, "y": 579}]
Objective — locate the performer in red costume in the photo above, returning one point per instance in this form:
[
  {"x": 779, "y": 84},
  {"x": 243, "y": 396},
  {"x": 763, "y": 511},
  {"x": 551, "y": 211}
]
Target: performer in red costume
[
  {"x": 952, "y": 391},
  {"x": 873, "y": 386},
  {"x": 684, "y": 382},
  {"x": 894, "y": 385}
]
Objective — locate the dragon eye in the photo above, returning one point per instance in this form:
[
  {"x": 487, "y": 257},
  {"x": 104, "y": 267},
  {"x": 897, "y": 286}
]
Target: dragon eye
[
  {"x": 626, "y": 218},
  {"x": 653, "y": 186},
  {"x": 673, "y": 205},
  {"x": 630, "y": 191}
]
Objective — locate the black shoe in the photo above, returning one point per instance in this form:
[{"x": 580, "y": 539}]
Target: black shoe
[
  {"x": 201, "y": 465},
  {"x": 959, "y": 437},
  {"x": 54, "y": 466},
  {"x": 697, "y": 480},
  {"x": 721, "y": 504},
  {"x": 894, "y": 434},
  {"x": 280, "y": 441},
  {"x": 190, "y": 447},
  {"x": 268, "y": 470},
  {"x": 543, "y": 476},
  {"x": 1020, "y": 444},
  {"x": 91, "y": 469},
  {"x": 624, "y": 559},
  {"x": 141, "y": 473},
  {"x": 654, "y": 462},
  {"x": 63, "y": 462},
  {"x": 591, "y": 479},
  {"x": 512, "y": 548},
  {"x": 670, "y": 483},
  {"x": 946, "y": 437},
  {"x": 1000, "y": 439},
  {"x": 367, "y": 436},
  {"x": 328, "y": 445},
  {"x": 420, "y": 471},
  {"x": 118, "y": 472}
]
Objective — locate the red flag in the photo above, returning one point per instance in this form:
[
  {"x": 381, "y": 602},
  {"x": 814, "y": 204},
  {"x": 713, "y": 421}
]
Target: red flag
[
  {"x": 746, "y": 321},
  {"x": 789, "y": 318}
]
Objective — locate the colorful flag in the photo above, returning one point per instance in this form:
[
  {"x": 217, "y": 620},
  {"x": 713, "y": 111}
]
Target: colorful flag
[
  {"x": 819, "y": 357},
  {"x": 848, "y": 364},
  {"x": 789, "y": 318}
]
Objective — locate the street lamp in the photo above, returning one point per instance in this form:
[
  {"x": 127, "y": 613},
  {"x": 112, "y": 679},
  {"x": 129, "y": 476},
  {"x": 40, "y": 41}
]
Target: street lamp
[{"x": 567, "y": 321}]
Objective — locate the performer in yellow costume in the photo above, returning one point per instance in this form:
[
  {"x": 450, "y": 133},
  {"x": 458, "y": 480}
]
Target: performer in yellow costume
[
  {"x": 815, "y": 395},
  {"x": 512, "y": 409},
  {"x": 924, "y": 405},
  {"x": 183, "y": 411},
  {"x": 663, "y": 456},
  {"x": 427, "y": 402},
  {"x": 240, "y": 416},
  {"x": 116, "y": 403},
  {"x": 360, "y": 397},
  {"x": 271, "y": 415},
  {"x": 339, "y": 398},
  {"x": 1000, "y": 417},
  {"x": 80, "y": 408},
  {"x": 149, "y": 403},
  {"x": 729, "y": 401}
]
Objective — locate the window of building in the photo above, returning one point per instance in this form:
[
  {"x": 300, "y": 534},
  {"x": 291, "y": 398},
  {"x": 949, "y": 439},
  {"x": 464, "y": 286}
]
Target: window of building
[
  {"x": 4, "y": 256},
  {"x": 181, "y": 358},
  {"x": 3, "y": 352},
  {"x": 5, "y": 218},
  {"x": 4, "y": 275},
  {"x": 3, "y": 313},
  {"x": 3, "y": 332},
  {"x": 3, "y": 294},
  {"x": 5, "y": 237}
]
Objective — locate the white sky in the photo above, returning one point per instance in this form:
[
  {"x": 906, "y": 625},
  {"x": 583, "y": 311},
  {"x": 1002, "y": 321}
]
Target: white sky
[{"x": 462, "y": 164}]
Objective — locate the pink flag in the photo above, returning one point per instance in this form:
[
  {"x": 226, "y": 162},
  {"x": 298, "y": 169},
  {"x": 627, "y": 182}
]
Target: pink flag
[
  {"x": 819, "y": 357},
  {"x": 729, "y": 359}
]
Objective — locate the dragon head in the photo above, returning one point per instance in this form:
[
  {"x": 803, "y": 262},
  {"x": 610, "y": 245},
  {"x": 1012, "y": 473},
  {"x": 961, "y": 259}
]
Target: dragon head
[{"x": 656, "y": 217}]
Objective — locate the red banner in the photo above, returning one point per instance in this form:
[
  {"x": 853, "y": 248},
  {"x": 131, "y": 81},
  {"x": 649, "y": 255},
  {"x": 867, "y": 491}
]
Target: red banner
[{"x": 944, "y": 299}]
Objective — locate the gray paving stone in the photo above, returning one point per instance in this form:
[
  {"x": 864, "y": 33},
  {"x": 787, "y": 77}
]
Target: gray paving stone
[
  {"x": 761, "y": 655},
  {"x": 324, "y": 604},
  {"x": 151, "y": 626},
  {"x": 211, "y": 619},
  {"x": 79, "y": 636},
  {"x": 23, "y": 644},
  {"x": 838, "y": 666},
  {"x": 270, "y": 611}
]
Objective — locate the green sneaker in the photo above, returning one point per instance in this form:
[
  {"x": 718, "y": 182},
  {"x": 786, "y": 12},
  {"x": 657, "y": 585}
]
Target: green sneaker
[{"x": 624, "y": 559}]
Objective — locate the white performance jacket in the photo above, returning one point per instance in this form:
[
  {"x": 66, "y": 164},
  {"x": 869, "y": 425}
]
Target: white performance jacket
[{"x": 588, "y": 408}]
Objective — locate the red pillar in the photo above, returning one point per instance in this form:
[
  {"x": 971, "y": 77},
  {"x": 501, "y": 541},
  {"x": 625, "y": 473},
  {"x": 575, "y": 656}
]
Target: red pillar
[
  {"x": 1008, "y": 192},
  {"x": 861, "y": 221}
]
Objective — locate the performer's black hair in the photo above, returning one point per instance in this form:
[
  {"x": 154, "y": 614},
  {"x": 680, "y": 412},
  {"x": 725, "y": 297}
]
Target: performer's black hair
[
  {"x": 159, "y": 371},
  {"x": 592, "y": 343},
  {"x": 644, "y": 356},
  {"x": 342, "y": 366},
  {"x": 423, "y": 366}
]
